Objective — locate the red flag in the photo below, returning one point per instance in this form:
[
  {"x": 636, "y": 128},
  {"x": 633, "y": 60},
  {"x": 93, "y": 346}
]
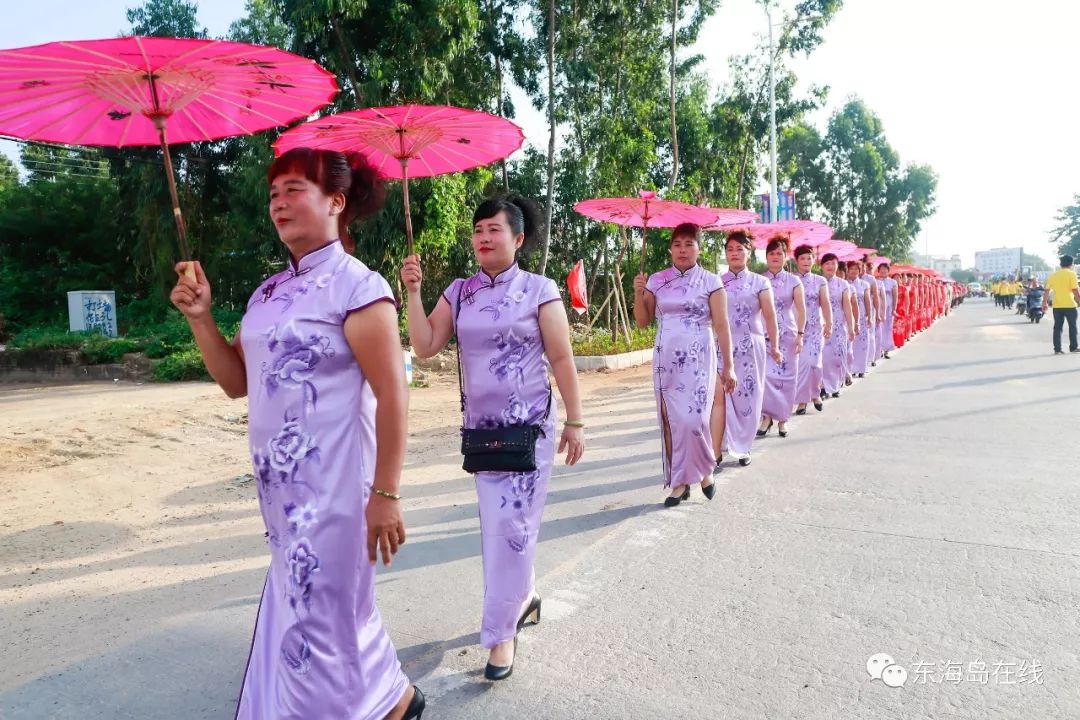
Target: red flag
[{"x": 575, "y": 283}]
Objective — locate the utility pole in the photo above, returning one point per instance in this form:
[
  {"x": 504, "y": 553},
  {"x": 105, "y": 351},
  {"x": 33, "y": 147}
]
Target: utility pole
[{"x": 772, "y": 116}]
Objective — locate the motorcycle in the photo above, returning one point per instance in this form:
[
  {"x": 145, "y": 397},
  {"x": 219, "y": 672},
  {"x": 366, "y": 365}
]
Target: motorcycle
[{"x": 1034, "y": 307}]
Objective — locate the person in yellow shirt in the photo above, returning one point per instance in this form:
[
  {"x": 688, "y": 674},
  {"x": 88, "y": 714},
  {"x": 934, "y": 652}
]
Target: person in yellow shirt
[{"x": 1062, "y": 288}]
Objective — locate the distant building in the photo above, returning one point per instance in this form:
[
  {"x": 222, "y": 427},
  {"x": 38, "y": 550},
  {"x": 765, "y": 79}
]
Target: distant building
[
  {"x": 999, "y": 261},
  {"x": 940, "y": 263}
]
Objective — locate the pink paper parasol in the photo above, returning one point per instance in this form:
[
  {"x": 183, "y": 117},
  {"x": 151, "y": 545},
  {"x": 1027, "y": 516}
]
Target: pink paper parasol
[
  {"x": 836, "y": 247},
  {"x": 727, "y": 217},
  {"x": 130, "y": 91},
  {"x": 802, "y": 232},
  {"x": 410, "y": 141},
  {"x": 644, "y": 212}
]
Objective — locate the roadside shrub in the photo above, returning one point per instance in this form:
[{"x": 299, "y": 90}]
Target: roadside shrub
[
  {"x": 599, "y": 342},
  {"x": 100, "y": 350},
  {"x": 179, "y": 366}
]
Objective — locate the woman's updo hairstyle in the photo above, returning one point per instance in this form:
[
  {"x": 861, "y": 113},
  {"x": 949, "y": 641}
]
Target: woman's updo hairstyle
[
  {"x": 742, "y": 236},
  {"x": 522, "y": 214},
  {"x": 829, "y": 257},
  {"x": 687, "y": 230},
  {"x": 779, "y": 242},
  {"x": 803, "y": 250},
  {"x": 334, "y": 172}
]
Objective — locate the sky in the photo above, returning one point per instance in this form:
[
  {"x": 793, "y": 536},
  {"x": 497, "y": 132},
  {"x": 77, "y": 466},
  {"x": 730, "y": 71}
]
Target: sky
[{"x": 978, "y": 90}]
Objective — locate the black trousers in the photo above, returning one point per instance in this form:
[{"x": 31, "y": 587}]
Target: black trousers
[{"x": 1060, "y": 316}]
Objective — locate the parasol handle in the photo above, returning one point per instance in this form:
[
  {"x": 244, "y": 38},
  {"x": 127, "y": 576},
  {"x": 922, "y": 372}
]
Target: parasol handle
[
  {"x": 181, "y": 229},
  {"x": 644, "y": 241},
  {"x": 405, "y": 200}
]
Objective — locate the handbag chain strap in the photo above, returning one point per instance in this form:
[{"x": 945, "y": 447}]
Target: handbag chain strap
[{"x": 461, "y": 381}]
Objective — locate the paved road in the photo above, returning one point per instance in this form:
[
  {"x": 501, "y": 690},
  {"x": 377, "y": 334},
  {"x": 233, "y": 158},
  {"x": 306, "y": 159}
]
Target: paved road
[{"x": 928, "y": 514}]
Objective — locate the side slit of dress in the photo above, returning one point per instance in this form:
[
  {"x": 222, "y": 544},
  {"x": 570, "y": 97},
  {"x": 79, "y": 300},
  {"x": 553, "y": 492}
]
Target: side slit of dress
[{"x": 667, "y": 439}]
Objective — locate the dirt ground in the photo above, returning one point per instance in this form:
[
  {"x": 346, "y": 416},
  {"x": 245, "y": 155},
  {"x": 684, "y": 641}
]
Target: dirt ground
[{"x": 116, "y": 493}]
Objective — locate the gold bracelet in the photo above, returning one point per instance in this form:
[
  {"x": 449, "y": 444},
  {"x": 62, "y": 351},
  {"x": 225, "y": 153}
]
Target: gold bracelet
[
  {"x": 383, "y": 493},
  {"x": 574, "y": 423}
]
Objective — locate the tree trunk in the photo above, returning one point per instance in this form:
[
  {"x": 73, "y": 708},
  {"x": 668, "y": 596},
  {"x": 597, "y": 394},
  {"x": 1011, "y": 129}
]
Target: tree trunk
[
  {"x": 499, "y": 80},
  {"x": 350, "y": 69},
  {"x": 551, "y": 137},
  {"x": 674, "y": 126},
  {"x": 742, "y": 172}
]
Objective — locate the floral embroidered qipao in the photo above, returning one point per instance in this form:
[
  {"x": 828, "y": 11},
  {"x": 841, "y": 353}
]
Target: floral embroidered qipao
[
  {"x": 506, "y": 383},
  {"x": 684, "y": 370},
  {"x": 319, "y": 651},
  {"x": 781, "y": 377},
  {"x": 748, "y": 353}
]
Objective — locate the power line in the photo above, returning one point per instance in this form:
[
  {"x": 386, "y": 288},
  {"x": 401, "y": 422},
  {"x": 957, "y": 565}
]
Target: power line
[
  {"x": 64, "y": 166},
  {"x": 108, "y": 153}
]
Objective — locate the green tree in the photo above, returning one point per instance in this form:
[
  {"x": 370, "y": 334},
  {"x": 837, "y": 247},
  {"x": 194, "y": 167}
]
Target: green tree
[
  {"x": 55, "y": 237},
  {"x": 166, "y": 18},
  {"x": 262, "y": 25},
  {"x": 1035, "y": 262},
  {"x": 1067, "y": 232},
  {"x": 852, "y": 178},
  {"x": 9, "y": 174}
]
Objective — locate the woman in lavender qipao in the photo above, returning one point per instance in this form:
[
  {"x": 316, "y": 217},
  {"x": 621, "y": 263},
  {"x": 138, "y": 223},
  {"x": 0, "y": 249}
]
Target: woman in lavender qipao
[
  {"x": 876, "y": 315},
  {"x": 690, "y": 305},
  {"x": 511, "y": 328},
  {"x": 888, "y": 309},
  {"x": 751, "y": 316},
  {"x": 818, "y": 331},
  {"x": 781, "y": 376},
  {"x": 319, "y": 357},
  {"x": 861, "y": 346},
  {"x": 834, "y": 356}
]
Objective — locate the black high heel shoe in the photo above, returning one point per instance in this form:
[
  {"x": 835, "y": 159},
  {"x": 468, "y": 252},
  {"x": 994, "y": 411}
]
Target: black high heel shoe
[
  {"x": 495, "y": 672},
  {"x": 763, "y": 433},
  {"x": 781, "y": 433},
  {"x": 709, "y": 491},
  {"x": 802, "y": 409},
  {"x": 744, "y": 461},
  {"x": 416, "y": 706},
  {"x": 719, "y": 461},
  {"x": 818, "y": 405},
  {"x": 531, "y": 614},
  {"x": 836, "y": 394},
  {"x": 674, "y": 500}
]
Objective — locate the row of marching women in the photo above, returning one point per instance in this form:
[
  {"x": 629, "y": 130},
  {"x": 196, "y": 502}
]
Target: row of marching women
[
  {"x": 784, "y": 340},
  {"x": 318, "y": 357}
]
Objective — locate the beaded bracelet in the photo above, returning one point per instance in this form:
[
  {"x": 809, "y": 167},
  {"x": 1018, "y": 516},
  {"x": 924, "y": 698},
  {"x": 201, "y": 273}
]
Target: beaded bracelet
[{"x": 383, "y": 493}]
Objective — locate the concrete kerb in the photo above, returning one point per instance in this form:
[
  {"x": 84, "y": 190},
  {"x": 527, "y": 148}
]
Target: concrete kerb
[{"x": 622, "y": 361}]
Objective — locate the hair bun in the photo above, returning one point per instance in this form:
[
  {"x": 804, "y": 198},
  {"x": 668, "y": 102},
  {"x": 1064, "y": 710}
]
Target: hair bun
[{"x": 367, "y": 192}]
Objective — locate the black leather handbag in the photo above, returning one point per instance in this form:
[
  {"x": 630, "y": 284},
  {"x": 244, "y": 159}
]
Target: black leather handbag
[{"x": 510, "y": 448}]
